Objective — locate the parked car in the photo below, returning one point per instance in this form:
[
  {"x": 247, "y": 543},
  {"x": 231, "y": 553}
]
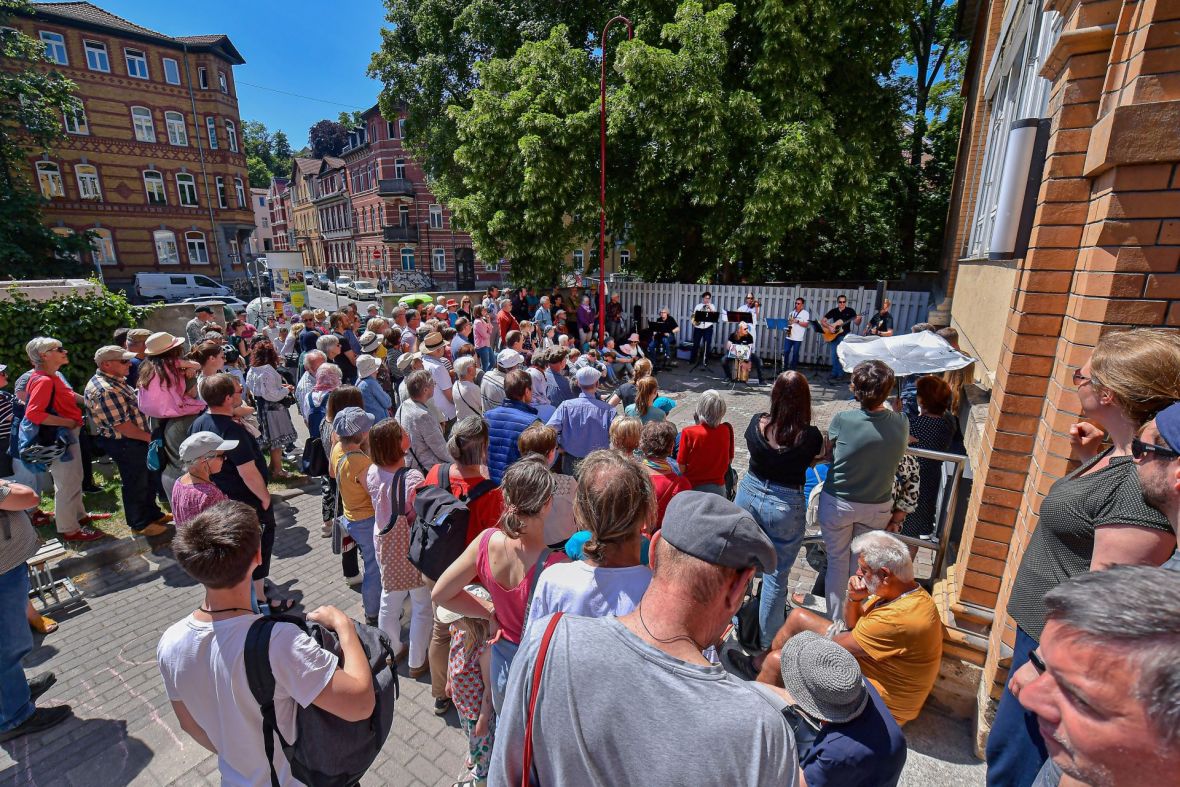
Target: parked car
[
  {"x": 236, "y": 305},
  {"x": 176, "y": 287},
  {"x": 341, "y": 285},
  {"x": 365, "y": 290},
  {"x": 309, "y": 277},
  {"x": 322, "y": 282}
]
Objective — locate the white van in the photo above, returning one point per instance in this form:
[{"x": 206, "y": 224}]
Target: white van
[{"x": 173, "y": 287}]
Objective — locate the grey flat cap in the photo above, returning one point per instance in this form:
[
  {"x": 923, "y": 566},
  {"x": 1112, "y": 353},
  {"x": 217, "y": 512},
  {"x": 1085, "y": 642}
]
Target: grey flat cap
[
  {"x": 351, "y": 421},
  {"x": 712, "y": 529},
  {"x": 824, "y": 678}
]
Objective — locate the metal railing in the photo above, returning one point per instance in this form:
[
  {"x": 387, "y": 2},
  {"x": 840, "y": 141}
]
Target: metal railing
[
  {"x": 400, "y": 233},
  {"x": 395, "y": 187}
]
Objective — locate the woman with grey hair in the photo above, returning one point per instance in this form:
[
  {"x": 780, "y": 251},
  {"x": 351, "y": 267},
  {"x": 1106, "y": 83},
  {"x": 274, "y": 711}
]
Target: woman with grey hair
[
  {"x": 329, "y": 345},
  {"x": 468, "y": 400},
  {"x": 706, "y": 447},
  {"x": 428, "y": 447},
  {"x": 51, "y": 403}
]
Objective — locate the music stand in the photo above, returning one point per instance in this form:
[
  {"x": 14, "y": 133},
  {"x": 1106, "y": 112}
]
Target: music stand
[
  {"x": 703, "y": 316},
  {"x": 776, "y": 325}
]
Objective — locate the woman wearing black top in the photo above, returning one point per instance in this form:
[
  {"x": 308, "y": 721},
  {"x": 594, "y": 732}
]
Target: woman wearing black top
[
  {"x": 782, "y": 444},
  {"x": 932, "y": 430}
]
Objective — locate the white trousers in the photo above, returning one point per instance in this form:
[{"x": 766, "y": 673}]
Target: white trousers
[
  {"x": 389, "y": 620},
  {"x": 839, "y": 522}
]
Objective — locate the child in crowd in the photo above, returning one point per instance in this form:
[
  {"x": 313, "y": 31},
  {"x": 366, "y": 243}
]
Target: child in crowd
[{"x": 469, "y": 685}]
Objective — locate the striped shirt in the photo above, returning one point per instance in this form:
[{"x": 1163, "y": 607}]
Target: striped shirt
[{"x": 112, "y": 402}]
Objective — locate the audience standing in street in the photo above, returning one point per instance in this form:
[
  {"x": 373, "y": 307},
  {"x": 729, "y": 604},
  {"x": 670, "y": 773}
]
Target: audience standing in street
[
  {"x": 582, "y": 423},
  {"x": 706, "y": 447}
]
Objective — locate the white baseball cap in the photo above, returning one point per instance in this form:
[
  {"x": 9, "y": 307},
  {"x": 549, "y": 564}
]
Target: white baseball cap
[
  {"x": 509, "y": 359},
  {"x": 588, "y": 375}
]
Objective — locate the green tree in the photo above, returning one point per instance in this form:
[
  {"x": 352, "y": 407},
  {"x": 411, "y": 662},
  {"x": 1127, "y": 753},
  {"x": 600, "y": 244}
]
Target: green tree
[
  {"x": 735, "y": 128},
  {"x": 33, "y": 99},
  {"x": 281, "y": 147},
  {"x": 327, "y": 138},
  {"x": 350, "y": 120},
  {"x": 260, "y": 173}
]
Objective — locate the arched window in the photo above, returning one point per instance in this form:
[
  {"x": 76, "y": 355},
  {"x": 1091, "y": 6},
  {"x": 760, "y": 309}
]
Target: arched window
[
  {"x": 240, "y": 192},
  {"x": 231, "y": 132},
  {"x": 624, "y": 259},
  {"x": 145, "y": 127},
  {"x": 102, "y": 247},
  {"x": 198, "y": 253},
  {"x": 166, "y": 251},
  {"x": 438, "y": 260},
  {"x": 66, "y": 232},
  {"x": 408, "y": 258},
  {"x": 186, "y": 186},
  {"x": 211, "y": 129},
  {"x": 579, "y": 260},
  {"x": 49, "y": 179},
  {"x": 177, "y": 134},
  {"x": 88, "y": 187},
  {"x": 153, "y": 184}
]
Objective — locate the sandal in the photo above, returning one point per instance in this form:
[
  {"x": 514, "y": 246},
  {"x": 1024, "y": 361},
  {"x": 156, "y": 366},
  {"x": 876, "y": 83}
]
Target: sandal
[{"x": 43, "y": 625}]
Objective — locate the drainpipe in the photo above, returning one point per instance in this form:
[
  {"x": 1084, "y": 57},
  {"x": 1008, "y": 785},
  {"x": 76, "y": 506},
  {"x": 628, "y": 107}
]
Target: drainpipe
[{"x": 188, "y": 79}]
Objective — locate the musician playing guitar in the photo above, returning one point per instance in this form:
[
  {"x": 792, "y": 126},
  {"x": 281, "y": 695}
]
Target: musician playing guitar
[
  {"x": 740, "y": 355},
  {"x": 837, "y": 324},
  {"x": 796, "y": 332},
  {"x": 702, "y": 332}
]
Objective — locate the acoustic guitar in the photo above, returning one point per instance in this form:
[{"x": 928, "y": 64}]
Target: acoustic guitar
[{"x": 832, "y": 335}]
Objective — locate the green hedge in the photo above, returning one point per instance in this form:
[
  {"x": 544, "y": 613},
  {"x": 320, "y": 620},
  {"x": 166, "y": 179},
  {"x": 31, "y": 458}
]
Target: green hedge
[{"x": 81, "y": 323}]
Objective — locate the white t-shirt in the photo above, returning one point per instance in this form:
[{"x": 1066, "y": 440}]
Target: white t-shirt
[
  {"x": 578, "y": 588},
  {"x": 702, "y": 306},
  {"x": 203, "y": 666},
  {"x": 798, "y": 333},
  {"x": 442, "y": 382}
]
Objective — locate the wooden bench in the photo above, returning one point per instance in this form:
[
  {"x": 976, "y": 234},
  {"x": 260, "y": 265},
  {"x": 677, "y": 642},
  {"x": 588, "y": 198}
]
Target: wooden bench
[{"x": 54, "y": 593}]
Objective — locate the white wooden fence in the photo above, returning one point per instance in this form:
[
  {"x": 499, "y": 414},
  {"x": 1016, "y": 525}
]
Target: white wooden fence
[{"x": 777, "y": 303}]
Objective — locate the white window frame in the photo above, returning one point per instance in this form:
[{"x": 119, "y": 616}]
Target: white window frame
[
  {"x": 403, "y": 215},
  {"x": 144, "y": 125},
  {"x": 399, "y": 168},
  {"x": 438, "y": 260},
  {"x": 491, "y": 266},
  {"x": 188, "y": 185},
  {"x": 222, "y": 82},
  {"x": 99, "y": 50},
  {"x": 198, "y": 250},
  {"x": 240, "y": 193},
  {"x": 407, "y": 257},
  {"x": 401, "y": 128},
  {"x": 579, "y": 260},
  {"x": 231, "y": 133},
  {"x": 67, "y": 232},
  {"x": 102, "y": 247},
  {"x": 55, "y": 47},
  {"x": 80, "y": 125},
  {"x": 436, "y": 217},
  {"x": 221, "y": 196},
  {"x": 148, "y": 190},
  {"x": 136, "y": 56},
  {"x": 175, "y": 71},
  {"x": 211, "y": 129},
  {"x": 177, "y": 128},
  {"x": 203, "y": 77},
  {"x": 167, "y": 253},
  {"x": 49, "y": 179},
  {"x": 624, "y": 259},
  {"x": 89, "y": 187}
]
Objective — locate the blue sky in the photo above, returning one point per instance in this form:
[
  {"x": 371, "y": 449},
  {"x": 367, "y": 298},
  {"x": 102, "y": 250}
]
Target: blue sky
[{"x": 315, "y": 49}]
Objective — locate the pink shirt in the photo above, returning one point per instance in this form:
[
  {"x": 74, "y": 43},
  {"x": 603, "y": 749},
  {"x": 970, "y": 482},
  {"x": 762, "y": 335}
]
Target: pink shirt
[
  {"x": 483, "y": 333},
  {"x": 188, "y": 500},
  {"x": 509, "y": 602},
  {"x": 157, "y": 400}
]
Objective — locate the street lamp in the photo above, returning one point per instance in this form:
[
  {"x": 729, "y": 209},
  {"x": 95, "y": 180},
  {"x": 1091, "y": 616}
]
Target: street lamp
[{"x": 602, "y": 178}]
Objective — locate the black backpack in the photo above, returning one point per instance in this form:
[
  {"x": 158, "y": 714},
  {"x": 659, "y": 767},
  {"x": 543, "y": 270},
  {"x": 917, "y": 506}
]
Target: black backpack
[
  {"x": 314, "y": 461},
  {"x": 439, "y": 533},
  {"x": 328, "y": 751}
]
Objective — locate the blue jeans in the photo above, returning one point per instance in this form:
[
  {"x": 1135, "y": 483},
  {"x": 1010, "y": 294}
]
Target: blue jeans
[
  {"x": 503, "y": 652},
  {"x": 1015, "y": 749},
  {"x": 361, "y": 532},
  {"x": 486, "y": 358},
  {"x": 791, "y": 353},
  {"x": 16, "y": 640},
  {"x": 837, "y": 367},
  {"x": 781, "y": 512}
]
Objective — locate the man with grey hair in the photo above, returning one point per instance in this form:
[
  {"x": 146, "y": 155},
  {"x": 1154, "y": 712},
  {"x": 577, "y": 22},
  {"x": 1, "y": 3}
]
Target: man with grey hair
[
  {"x": 1106, "y": 690},
  {"x": 428, "y": 447},
  {"x": 312, "y": 362},
  {"x": 895, "y": 630},
  {"x": 194, "y": 329},
  {"x": 649, "y": 673},
  {"x": 582, "y": 423}
]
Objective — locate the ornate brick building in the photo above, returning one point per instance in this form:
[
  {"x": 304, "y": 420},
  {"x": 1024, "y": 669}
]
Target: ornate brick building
[
  {"x": 278, "y": 202},
  {"x": 152, "y": 162},
  {"x": 1065, "y": 225},
  {"x": 304, "y": 221}
]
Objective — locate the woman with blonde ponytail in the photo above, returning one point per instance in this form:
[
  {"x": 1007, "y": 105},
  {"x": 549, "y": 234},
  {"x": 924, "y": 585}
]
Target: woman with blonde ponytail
[{"x": 506, "y": 561}]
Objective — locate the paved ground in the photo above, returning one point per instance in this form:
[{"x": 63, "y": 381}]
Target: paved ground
[{"x": 125, "y": 733}]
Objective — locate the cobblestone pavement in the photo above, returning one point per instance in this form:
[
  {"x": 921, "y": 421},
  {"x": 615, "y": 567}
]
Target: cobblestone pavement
[{"x": 125, "y": 732}]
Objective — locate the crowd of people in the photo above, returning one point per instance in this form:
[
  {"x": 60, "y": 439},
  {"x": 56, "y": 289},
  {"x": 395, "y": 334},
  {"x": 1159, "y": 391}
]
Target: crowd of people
[{"x": 606, "y": 553}]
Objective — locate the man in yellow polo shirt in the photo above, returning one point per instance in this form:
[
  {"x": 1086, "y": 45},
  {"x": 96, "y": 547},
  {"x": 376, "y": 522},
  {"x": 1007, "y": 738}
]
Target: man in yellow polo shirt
[{"x": 896, "y": 632}]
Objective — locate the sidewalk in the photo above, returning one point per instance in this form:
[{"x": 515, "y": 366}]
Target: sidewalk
[{"x": 125, "y": 731}]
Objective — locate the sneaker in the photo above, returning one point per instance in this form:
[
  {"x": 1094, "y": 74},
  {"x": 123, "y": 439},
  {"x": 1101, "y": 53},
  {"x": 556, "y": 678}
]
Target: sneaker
[
  {"x": 326, "y": 530},
  {"x": 42, "y": 719},
  {"x": 154, "y": 529},
  {"x": 441, "y": 706},
  {"x": 82, "y": 534},
  {"x": 41, "y": 684},
  {"x": 354, "y": 580}
]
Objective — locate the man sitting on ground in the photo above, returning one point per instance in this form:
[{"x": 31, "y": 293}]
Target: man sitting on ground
[
  {"x": 611, "y": 686},
  {"x": 896, "y": 632},
  {"x": 202, "y": 661}
]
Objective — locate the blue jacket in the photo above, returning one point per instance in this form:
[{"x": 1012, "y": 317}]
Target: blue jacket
[
  {"x": 505, "y": 423},
  {"x": 377, "y": 402},
  {"x": 560, "y": 389}
]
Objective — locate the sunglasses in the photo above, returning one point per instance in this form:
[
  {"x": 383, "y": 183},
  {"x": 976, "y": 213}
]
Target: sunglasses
[
  {"x": 841, "y": 301},
  {"x": 1140, "y": 449}
]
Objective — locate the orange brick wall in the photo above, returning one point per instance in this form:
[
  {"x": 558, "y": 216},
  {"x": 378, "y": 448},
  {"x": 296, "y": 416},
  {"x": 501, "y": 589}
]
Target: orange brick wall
[{"x": 1104, "y": 254}]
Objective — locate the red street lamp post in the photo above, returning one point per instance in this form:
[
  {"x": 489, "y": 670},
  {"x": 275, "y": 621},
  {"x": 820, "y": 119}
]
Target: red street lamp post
[{"x": 602, "y": 179}]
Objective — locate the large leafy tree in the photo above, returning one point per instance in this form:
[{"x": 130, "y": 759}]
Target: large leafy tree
[
  {"x": 327, "y": 138},
  {"x": 268, "y": 155},
  {"x": 736, "y": 129},
  {"x": 33, "y": 98}
]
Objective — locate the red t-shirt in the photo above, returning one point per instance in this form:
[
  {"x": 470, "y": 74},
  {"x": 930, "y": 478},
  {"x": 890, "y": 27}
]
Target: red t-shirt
[
  {"x": 46, "y": 388},
  {"x": 705, "y": 453},
  {"x": 506, "y": 322},
  {"x": 484, "y": 512},
  {"x": 667, "y": 486}
]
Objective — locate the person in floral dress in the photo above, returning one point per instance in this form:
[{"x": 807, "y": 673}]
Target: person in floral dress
[{"x": 469, "y": 684}]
